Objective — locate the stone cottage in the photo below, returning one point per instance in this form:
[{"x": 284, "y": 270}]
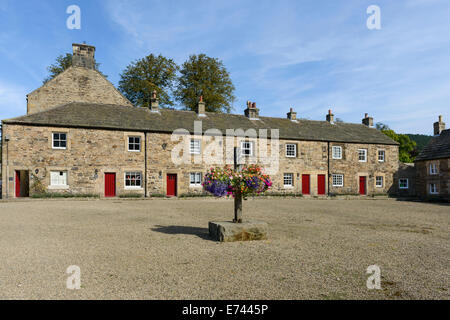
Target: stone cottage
[{"x": 80, "y": 135}]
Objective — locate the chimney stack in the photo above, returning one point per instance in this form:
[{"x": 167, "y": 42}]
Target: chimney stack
[
  {"x": 330, "y": 117},
  {"x": 439, "y": 126},
  {"x": 292, "y": 115},
  {"x": 368, "y": 121},
  {"x": 251, "y": 112},
  {"x": 154, "y": 102},
  {"x": 83, "y": 56},
  {"x": 201, "y": 107}
]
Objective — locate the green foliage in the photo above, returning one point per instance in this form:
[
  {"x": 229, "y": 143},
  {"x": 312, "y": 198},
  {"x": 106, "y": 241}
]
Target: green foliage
[
  {"x": 131, "y": 195},
  {"x": 63, "y": 62},
  {"x": 205, "y": 76},
  {"x": 406, "y": 148},
  {"x": 64, "y": 195},
  {"x": 421, "y": 140},
  {"x": 142, "y": 77}
]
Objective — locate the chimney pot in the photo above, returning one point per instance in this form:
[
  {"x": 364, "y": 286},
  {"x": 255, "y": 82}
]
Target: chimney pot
[
  {"x": 83, "y": 56},
  {"x": 330, "y": 117},
  {"x": 154, "y": 102},
  {"x": 251, "y": 112},
  {"x": 367, "y": 121},
  {"x": 201, "y": 107},
  {"x": 291, "y": 115},
  {"x": 439, "y": 126}
]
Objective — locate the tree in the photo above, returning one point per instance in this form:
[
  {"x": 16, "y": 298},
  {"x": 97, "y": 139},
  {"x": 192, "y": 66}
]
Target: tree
[
  {"x": 63, "y": 62},
  {"x": 406, "y": 152},
  {"x": 142, "y": 77},
  {"x": 381, "y": 126},
  {"x": 339, "y": 120},
  {"x": 205, "y": 76}
]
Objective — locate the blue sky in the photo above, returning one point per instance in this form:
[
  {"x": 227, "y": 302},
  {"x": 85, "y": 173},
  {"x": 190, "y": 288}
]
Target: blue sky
[{"x": 309, "y": 55}]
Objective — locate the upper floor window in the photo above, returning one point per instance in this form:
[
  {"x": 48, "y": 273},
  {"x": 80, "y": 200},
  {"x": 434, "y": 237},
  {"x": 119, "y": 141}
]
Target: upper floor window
[
  {"x": 195, "y": 179},
  {"x": 379, "y": 182},
  {"x": 195, "y": 147},
  {"x": 58, "y": 178},
  {"x": 291, "y": 150},
  {"x": 403, "y": 183},
  {"x": 134, "y": 144},
  {"x": 433, "y": 168},
  {"x": 381, "y": 155},
  {"x": 288, "y": 180},
  {"x": 362, "y": 155},
  {"x": 59, "y": 140},
  {"x": 246, "y": 148},
  {"x": 133, "y": 180},
  {"x": 338, "y": 180},
  {"x": 337, "y": 152},
  {"x": 433, "y": 188}
]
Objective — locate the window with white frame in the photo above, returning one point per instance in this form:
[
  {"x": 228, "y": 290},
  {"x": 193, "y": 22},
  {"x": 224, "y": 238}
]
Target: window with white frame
[
  {"x": 247, "y": 148},
  {"x": 288, "y": 180},
  {"x": 362, "y": 155},
  {"x": 336, "y": 152},
  {"x": 291, "y": 150},
  {"x": 134, "y": 144},
  {"x": 379, "y": 181},
  {"x": 195, "y": 147},
  {"x": 433, "y": 168},
  {"x": 338, "y": 180},
  {"x": 58, "y": 178},
  {"x": 381, "y": 155},
  {"x": 403, "y": 183},
  {"x": 195, "y": 179},
  {"x": 433, "y": 188},
  {"x": 133, "y": 180},
  {"x": 59, "y": 140}
]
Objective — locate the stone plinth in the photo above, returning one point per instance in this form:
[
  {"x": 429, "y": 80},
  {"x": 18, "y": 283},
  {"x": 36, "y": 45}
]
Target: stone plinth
[{"x": 229, "y": 231}]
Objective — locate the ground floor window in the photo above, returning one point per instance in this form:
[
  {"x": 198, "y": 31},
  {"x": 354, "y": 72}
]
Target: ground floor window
[
  {"x": 403, "y": 183},
  {"x": 133, "y": 180},
  {"x": 338, "y": 180},
  {"x": 195, "y": 179},
  {"x": 379, "y": 182},
  {"x": 288, "y": 180},
  {"x": 58, "y": 178},
  {"x": 433, "y": 188}
]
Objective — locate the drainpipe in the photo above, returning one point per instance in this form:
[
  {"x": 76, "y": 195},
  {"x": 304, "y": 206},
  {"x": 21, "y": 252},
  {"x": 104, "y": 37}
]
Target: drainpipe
[
  {"x": 145, "y": 165},
  {"x": 328, "y": 167}
]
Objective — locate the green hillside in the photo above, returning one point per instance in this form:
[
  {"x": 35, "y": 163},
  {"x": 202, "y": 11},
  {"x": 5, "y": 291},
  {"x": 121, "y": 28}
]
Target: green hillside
[{"x": 420, "y": 139}]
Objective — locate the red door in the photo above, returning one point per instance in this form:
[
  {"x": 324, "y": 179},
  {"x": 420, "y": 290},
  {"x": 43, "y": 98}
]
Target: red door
[
  {"x": 110, "y": 184},
  {"x": 305, "y": 184},
  {"x": 321, "y": 184},
  {"x": 17, "y": 178},
  {"x": 171, "y": 185},
  {"x": 362, "y": 185}
]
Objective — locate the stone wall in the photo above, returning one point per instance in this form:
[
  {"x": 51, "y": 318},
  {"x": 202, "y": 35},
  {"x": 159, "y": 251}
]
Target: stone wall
[
  {"x": 76, "y": 84},
  {"x": 441, "y": 179}
]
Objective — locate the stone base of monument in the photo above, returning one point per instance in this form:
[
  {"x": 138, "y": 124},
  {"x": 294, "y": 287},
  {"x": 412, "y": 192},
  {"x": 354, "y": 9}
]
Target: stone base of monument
[{"x": 245, "y": 231}]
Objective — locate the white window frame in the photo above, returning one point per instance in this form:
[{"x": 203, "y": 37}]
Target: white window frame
[
  {"x": 287, "y": 177},
  {"x": 59, "y": 140},
  {"x": 382, "y": 152},
  {"x": 365, "y": 155},
  {"x": 400, "y": 183},
  {"x": 195, "y": 146},
  {"x": 134, "y": 143},
  {"x": 433, "y": 169},
  {"x": 333, "y": 153},
  {"x": 131, "y": 173},
  {"x": 336, "y": 178},
  {"x": 250, "y": 154},
  {"x": 433, "y": 190},
  {"x": 58, "y": 185},
  {"x": 195, "y": 179},
  {"x": 294, "y": 150},
  {"x": 382, "y": 182}
]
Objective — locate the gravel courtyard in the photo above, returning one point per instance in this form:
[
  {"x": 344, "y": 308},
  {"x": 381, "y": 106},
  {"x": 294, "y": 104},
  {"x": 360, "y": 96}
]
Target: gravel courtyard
[{"x": 159, "y": 249}]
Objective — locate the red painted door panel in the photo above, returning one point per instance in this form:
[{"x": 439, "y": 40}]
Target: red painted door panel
[
  {"x": 362, "y": 185},
  {"x": 305, "y": 184},
  {"x": 110, "y": 184},
  {"x": 321, "y": 184},
  {"x": 17, "y": 184},
  {"x": 171, "y": 185}
]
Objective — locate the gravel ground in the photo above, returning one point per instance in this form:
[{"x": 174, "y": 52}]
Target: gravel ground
[{"x": 159, "y": 249}]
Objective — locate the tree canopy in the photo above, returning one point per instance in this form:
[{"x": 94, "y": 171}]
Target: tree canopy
[
  {"x": 407, "y": 147},
  {"x": 142, "y": 77},
  {"x": 204, "y": 76}
]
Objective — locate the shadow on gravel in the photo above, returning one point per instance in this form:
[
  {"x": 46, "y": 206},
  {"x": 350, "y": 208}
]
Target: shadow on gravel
[{"x": 199, "y": 232}]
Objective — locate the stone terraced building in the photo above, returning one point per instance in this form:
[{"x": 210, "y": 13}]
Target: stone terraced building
[{"x": 80, "y": 135}]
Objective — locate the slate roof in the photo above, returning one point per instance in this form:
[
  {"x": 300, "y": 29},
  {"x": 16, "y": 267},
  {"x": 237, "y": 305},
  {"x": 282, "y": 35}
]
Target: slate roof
[
  {"x": 103, "y": 116},
  {"x": 437, "y": 148}
]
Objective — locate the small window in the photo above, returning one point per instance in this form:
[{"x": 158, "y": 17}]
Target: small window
[
  {"x": 403, "y": 183},
  {"x": 133, "y": 180},
  {"x": 362, "y": 155},
  {"x": 433, "y": 168},
  {"x": 247, "y": 148},
  {"x": 195, "y": 147},
  {"x": 291, "y": 150},
  {"x": 381, "y": 155},
  {"x": 58, "y": 178},
  {"x": 134, "y": 144},
  {"x": 433, "y": 188},
  {"x": 337, "y": 152},
  {"x": 379, "y": 182},
  {"x": 338, "y": 180},
  {"x": 195, "y": 179},
  {"x": 59, "y": 140},
  {"x": 288, "y": 180}
]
